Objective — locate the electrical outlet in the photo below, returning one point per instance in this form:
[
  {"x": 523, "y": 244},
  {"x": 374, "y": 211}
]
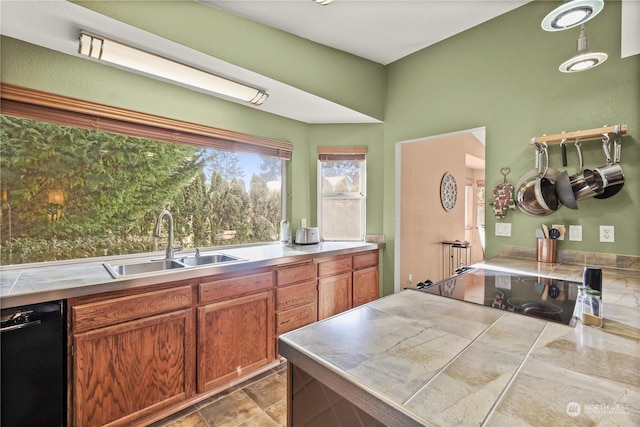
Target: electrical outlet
[
  {"x": 575, "y": 233},
  {"x": 607, "y": 233},
  {"x": 503, "y": 229},
  {"x": 303, "y": 222},
  {"x": 410, "y": 279}
]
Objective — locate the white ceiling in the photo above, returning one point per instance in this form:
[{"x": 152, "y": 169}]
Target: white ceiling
[{"x": 382, "y": 31}]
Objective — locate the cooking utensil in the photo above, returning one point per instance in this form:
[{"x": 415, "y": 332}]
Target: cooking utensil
[
  {"x": 585, "y": 183},
  {"x": 554, "y": 233},
  {"x": 503, "y": 196},
  {"x": 563, "y": 183},
  {"x": 611, "y": 173},
  {"x": 545, "y": 231},
  {"x": 526, "y": 194},
  {"x": 545, "y": 186}
]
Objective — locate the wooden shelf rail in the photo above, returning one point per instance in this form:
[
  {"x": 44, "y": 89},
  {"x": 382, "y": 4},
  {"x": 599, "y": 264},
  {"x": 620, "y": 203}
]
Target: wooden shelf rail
[{"x": 579, "y": 134}]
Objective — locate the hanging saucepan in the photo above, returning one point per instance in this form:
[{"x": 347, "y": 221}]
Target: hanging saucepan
[
  {"x": 535, "y": 192},
  {"x": 585, "y": 183},
  {"x": 545, "y": 187},
  {"x": 611, "y": 172},
  {"x": 525, "y": 192},
  {"x": 563, "y": 183}
]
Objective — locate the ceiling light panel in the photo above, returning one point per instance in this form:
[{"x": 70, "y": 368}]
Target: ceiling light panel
[{"x": 103, "y": 49}]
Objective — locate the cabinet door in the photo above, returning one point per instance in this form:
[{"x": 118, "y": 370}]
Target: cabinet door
[
  {"x": 127, "y": 371},
  {"x": 365, "y": 286},
  {"x": 334, "y": 295},
  {"x": 234, "y": 338}
]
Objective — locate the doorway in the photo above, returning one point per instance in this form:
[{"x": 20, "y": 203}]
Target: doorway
[{"x": 423, "y": 222}]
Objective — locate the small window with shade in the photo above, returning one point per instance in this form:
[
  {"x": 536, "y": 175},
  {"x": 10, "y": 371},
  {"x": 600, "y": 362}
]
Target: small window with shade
[{"x": 342, "y": 193}]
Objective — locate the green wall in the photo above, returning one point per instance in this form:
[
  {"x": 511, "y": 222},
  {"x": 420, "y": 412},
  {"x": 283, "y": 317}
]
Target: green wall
[
  {"x": 332, "y": 74},
  {"x": 502, "y": 75}
]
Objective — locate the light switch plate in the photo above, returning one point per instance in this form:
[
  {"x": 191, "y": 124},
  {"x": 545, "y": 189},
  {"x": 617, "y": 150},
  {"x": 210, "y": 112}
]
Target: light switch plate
[
  {"x": 503, "y": 229},
  {"x": 575, "y": 233}
]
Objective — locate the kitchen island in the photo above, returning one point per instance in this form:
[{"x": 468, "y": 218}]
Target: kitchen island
[{"x": 419, "y": 359}]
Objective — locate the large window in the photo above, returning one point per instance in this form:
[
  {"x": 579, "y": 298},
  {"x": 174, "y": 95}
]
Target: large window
[
  {"x": 342, "y": 192},
  {"x": 69, "y": 192}
]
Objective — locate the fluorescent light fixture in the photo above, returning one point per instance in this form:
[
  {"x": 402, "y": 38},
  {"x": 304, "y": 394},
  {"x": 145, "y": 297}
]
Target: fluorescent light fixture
[
  {"x": 103, "y": 49},
  {"x": 571, "y": 14},
  {"x": 323, "y": 2},
  {"x": 584, "y": 59}
]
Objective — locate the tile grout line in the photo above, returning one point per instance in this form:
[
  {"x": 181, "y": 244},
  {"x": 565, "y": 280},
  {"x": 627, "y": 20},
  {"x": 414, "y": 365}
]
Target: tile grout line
[
  {"x": 512, "y": 379},
  {"x": 452, "y": 361}
]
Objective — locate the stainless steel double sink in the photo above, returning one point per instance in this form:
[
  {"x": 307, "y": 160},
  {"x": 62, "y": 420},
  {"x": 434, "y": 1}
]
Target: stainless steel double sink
[{"x": 117, "y": 271}]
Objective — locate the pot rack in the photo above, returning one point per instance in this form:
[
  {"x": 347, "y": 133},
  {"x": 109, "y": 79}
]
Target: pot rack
[{"x": 579, "y": 134}]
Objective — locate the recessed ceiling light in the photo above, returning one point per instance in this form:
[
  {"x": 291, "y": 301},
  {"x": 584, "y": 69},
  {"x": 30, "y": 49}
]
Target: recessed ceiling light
[
  {"x": 571, "y": 14},
  {"x": 323, "y": 2}
]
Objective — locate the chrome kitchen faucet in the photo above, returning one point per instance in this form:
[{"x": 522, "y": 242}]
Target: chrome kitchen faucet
[{"x": 156, "y": 233}]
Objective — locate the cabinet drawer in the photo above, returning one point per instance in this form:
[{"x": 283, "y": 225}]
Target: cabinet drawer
[
  {"x": 365, "y": 260},
  {"x": 296, "y": 318},
  {"x": 295, "y": 274},
  {"x": 117, "y": 310},
  {"x": 333, "y": 267},
  {"x": 296, "y": 295},
  {"x": 224, "y": 289}
]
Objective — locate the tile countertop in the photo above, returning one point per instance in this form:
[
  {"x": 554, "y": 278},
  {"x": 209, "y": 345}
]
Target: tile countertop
[
  {"x": 23, "y": 284},
  {"x": 439, "y": 361}
]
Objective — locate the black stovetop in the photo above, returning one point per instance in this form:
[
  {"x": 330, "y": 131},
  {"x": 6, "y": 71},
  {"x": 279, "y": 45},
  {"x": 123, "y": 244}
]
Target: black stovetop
[{"x": 537, "y": 296}]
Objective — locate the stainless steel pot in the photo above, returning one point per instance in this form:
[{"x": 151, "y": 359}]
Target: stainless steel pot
[
  {"x": 535, "y": 191},
  {"x": 611, "y": 173},
  {"x": 585, "y": 183}
]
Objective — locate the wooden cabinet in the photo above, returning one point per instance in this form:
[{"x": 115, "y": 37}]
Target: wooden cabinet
[
  {"x": 142, "y": 353},
  {"x": 132, "y": 355},
  {"x": 334, "y": 286},
  {"x": 366, "y": 286},
  {"x": 236, "y": 333},
  {"x": 296, "y": 296}
]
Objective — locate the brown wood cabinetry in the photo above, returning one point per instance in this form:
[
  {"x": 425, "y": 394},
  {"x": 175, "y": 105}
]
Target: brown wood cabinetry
[
  {"x": 132, "y": 355},
  {"x": 235, "y": 327},
  {"x": 334, "y": 286},
  {"x": 366, "y": 286},
  {"x": 296, "y": 296},
  {"x": 139, "y": 354},
  {"x": 235, "y": 337}
]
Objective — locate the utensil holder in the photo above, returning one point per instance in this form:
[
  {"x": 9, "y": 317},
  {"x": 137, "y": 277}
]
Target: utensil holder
[{"x": 547, "y": 250}]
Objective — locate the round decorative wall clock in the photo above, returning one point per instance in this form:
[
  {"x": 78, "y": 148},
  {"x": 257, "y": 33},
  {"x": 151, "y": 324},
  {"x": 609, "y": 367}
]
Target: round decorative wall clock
[{"x": 448, "y": 191}]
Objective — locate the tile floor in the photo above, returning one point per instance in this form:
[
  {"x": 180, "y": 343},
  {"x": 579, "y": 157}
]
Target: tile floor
[{"x": 258, "y": 402}]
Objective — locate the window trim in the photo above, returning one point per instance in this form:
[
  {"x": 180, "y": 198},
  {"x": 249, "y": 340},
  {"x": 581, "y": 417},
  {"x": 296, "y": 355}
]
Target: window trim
[{"x": 37, "y": 105}]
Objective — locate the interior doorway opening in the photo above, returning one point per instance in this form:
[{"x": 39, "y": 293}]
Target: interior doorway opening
[{"x": 440, "y": 197}]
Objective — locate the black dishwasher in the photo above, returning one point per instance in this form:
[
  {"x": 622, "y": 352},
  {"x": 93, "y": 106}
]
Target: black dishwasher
[{"x": 33, "y": 366}]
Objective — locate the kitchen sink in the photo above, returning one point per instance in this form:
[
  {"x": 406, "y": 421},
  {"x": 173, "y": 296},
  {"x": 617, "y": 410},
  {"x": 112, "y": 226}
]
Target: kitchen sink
[
  {"x": 142, "y": 267},
  {"x": 154, "y": 266},
  {"x": 195, "y": 261}
]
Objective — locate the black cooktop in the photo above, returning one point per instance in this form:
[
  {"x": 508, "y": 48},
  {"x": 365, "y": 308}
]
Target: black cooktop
[{"x": 531, "y": 295}]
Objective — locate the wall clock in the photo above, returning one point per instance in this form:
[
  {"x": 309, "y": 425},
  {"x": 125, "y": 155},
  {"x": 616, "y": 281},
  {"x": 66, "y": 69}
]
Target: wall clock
[{"x": 448, "y": 191}]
